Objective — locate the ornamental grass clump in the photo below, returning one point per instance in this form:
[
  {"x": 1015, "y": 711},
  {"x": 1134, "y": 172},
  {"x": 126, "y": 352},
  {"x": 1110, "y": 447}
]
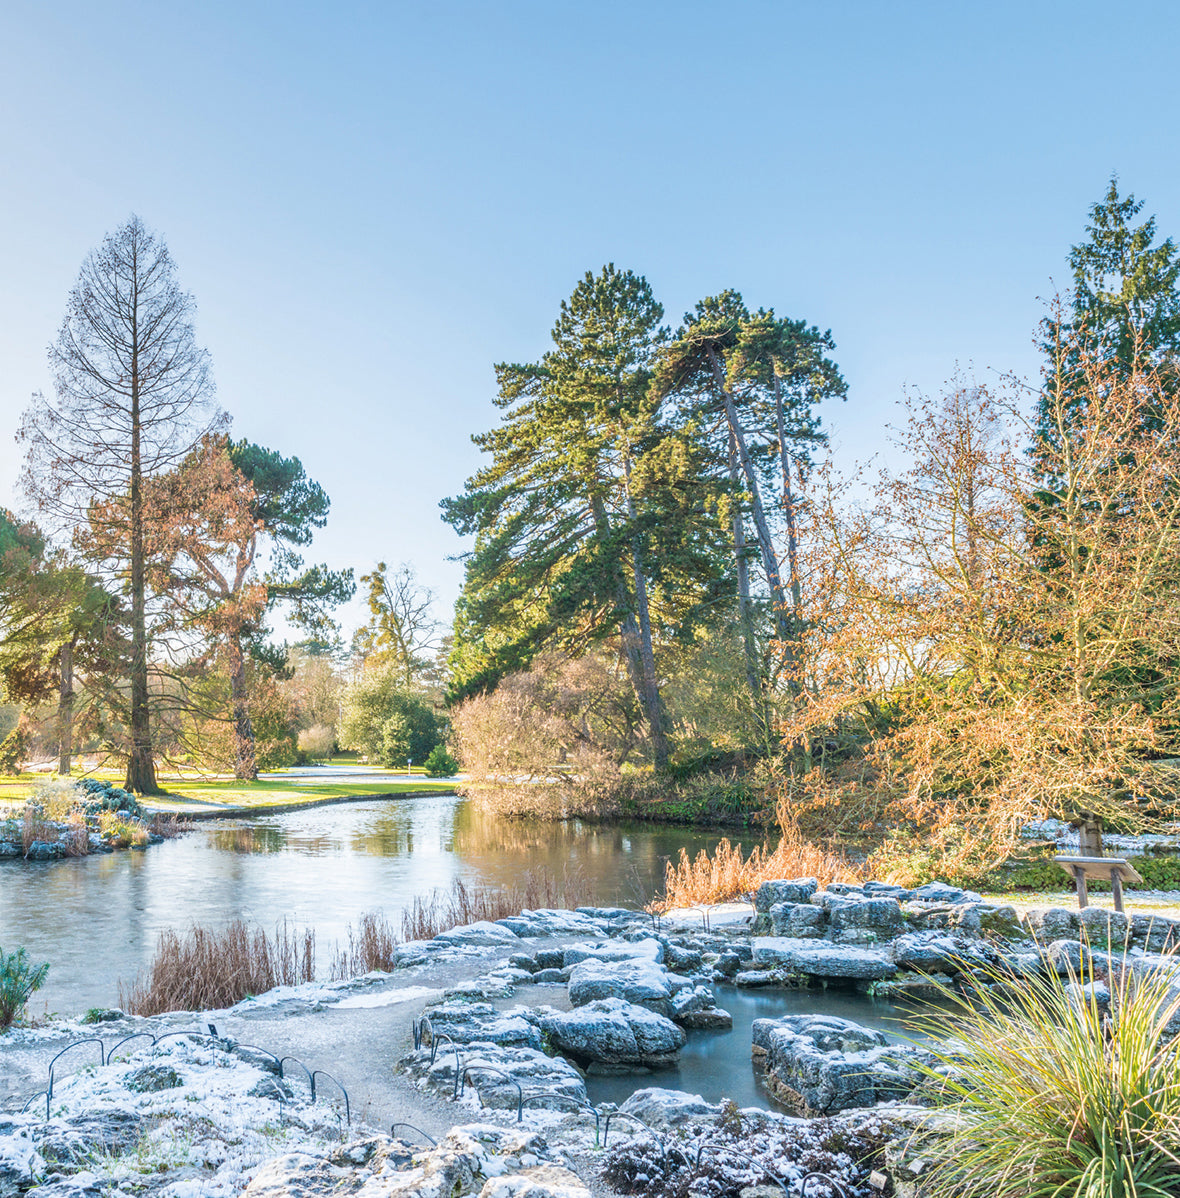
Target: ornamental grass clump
[
  {"x": 18, "y": 979},
  {"x": 1059, "y": 1087}
]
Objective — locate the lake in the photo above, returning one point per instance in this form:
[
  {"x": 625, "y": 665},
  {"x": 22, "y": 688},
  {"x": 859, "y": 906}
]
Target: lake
[{"x": 96, "y": 919}]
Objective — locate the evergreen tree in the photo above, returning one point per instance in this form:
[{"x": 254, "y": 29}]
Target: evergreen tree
[
  {"x": 588, "y": 521},
  {"x": 1124, "y": 308},
  {"x": 752, "y": 382}
]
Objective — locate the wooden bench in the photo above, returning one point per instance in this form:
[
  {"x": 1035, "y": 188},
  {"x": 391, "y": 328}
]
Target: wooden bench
[{"x": 1116, "y": 869}]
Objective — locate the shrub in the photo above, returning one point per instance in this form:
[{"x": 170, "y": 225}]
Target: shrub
[
  {"x": 18, "y": 979},
  {"x": 317, "y": 742},
  {"x": 14, "y": 748},
  {"x": 386, "y": 721},
  {"x": 440, "y": 764},
  {"x": 740, "y": 1153},
  {"x": 1055, "y": 1090}
]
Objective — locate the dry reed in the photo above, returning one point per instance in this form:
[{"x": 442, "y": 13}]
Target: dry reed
[
  {"x": 204, "y": 970},
  {"x": 372, "y": 946},
  {"x": 462, "y": 904},
  {"x": 728, "y": 874}
]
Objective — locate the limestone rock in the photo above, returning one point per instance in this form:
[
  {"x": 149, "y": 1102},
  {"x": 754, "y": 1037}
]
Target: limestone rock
[
  {"x": 482, "y": 932},
  {"x": 614, "y": 1032},
  {"x": 792, "y": 890},
  {"x": 539, "y": 1181},
  {"x": 640, "y": 981},
  {"x": 661, "y": 1109},
  {"x": 821, "y": 958},
  {"x": 864, "y": 920},
  {"x": 820, "y": 1064},
  {"x": 467, "y": 1022},
  {"x": 1052, "y": 923},
  {"x": 798, "y": 920}
]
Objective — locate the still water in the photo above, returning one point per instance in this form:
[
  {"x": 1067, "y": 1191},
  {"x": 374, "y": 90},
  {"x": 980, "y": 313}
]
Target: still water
[
  {"x": 717, "y": 1065},
  {"x": 96, "y": 919}
]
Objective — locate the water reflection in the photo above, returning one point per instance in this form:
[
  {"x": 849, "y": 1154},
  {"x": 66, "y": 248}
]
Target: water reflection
[{"x": 96, "y": 919}]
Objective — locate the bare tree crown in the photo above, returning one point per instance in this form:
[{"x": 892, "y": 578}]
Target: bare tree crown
[{"x": 129, "y": 380}]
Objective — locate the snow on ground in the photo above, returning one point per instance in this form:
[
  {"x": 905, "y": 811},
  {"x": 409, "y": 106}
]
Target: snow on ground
[{"x": 194, "y": 1119}]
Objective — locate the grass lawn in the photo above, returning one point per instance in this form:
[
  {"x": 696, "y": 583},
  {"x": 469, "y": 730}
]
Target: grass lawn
[{"x": 190, "y": 791}]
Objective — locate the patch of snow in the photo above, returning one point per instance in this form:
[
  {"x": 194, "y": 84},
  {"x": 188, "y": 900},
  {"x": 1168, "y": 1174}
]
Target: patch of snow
[{"x": 386, "y": 998}]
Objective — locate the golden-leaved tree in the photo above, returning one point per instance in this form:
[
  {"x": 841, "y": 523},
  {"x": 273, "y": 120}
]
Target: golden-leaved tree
[{"x": 987, "y": 645}]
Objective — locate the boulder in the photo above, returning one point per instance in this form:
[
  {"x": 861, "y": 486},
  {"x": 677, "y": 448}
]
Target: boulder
[
  {"x": 1099, "y": 925},
  {"x": 930, "y": 952},
  {"x": 1001, "y": 921},
  {"x": 1157, "y": 933},
  {"x": 821, "y": 959},
  {"x": 885, "y": 890},
  {"x": 940, "y": 892},
  {"x": 661, "y": 1109},
  {"x": 682, "y": 958},
  {"x": 641, "y": 981},
  {"x": 1052, "y": 923},
  {"x": 864, "y": 920},
  {"x": 469, "y": 1022},
  {"x": 801, "y": 921},
  {"x": 819, "y": 1064},
  {"x": 537, "y": 1181},
  {"x": 493, "y": 1068},
  {"x": 482, "y": 932},
  {"x": 614, "y": 1033},
  {"x": 792, "y": 890},
  {"x": 646, "y": 948},
  {"x": 1067, "y": 958},
  {"x": 709, "y": 1019}
]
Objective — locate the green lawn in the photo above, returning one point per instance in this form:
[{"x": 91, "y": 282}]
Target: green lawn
[{"x": 188, "y": 791}]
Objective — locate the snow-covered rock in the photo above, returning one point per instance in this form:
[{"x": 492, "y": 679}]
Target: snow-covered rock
[
  {"x": 820, "y": 958},
  {"x": 614, "y": 1033}
]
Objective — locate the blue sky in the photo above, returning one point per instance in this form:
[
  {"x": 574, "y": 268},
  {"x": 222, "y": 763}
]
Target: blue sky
[{"x": 373, "y": 203}]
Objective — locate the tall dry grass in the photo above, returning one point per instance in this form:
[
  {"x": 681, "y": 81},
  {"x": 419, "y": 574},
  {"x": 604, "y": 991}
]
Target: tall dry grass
[
  {"x": 462, "y": 904},
  {"x": 202, "y": 970},
  {"x": 372, "y": 946},
  {"x": 728, "y": 874}
]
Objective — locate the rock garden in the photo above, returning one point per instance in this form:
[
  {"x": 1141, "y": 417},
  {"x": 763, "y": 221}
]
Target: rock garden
[
  {"x": 73, "y": 819},
  {"x": 522, "y": 1013}
]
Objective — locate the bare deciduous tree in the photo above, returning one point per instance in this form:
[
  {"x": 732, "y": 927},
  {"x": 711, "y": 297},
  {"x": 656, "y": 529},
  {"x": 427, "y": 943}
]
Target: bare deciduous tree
[{"x": 132, "y": 397}]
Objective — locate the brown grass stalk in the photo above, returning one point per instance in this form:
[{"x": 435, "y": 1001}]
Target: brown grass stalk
[
  {"x": 728, "y": 874},
  {"x": 206, "y": 970}
]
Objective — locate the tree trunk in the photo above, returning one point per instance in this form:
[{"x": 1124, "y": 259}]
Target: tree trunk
[
  {"x": 141, "y": 769},
  {"x": 65, "y": 709},
  {"x": 245, "y": 757},
  {"x": 654, "y": 703},
  {"x": 745, "y": 618},
  {"x": 765, "y": 544},
  {"x": 643, "y": 681},
  {"x": 791, "y": 645}
]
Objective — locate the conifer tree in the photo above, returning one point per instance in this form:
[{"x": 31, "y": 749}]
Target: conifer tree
[
  {"x": 588, "y": 502},
  {"x": 1124, "y": 309}
]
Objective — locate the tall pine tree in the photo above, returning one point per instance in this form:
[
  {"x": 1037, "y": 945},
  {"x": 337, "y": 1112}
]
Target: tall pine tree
[{"x": 588, "y": 506}]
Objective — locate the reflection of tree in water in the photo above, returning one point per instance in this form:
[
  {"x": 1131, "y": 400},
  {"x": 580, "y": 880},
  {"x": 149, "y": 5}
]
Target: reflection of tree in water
[
  {"x": 268, "y": 838},
  {"x": 624, "y": 862}
]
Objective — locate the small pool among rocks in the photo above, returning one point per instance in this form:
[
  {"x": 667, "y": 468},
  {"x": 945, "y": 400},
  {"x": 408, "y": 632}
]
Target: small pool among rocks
[{"x": 717, "y": 1064}]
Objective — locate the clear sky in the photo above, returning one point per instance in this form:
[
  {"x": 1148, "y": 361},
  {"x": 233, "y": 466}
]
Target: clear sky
[{"x": 373, "y": 203}]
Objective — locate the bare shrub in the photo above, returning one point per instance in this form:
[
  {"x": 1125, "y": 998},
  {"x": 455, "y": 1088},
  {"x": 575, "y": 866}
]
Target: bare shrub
[
  {"x": 206, "y": 970},
  {"x": 551, "y": 740},
  {"x": 318, "y": 741}
]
